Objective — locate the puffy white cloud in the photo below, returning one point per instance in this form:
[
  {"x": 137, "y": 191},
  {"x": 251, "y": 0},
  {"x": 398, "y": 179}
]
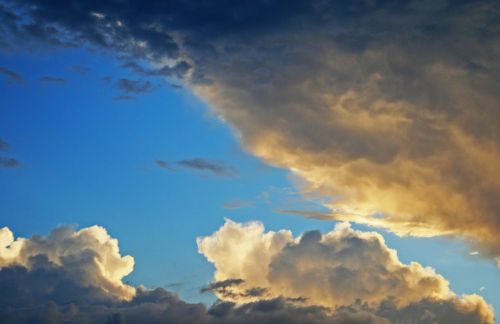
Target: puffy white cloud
[
  {"x": 88, "y": 256},
  {"x": 76, "y": 276},
  {"x": 341, "y": 268}
]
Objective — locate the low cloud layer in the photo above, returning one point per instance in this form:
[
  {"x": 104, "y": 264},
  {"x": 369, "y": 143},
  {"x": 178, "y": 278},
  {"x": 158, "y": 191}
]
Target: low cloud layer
[{"x": 77, "y": 276}]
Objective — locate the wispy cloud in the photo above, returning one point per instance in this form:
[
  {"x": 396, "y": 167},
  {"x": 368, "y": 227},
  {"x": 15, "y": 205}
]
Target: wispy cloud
[
  {"x": 124, "y": 98},
  {"x": 79, "y": 69},
  {"x": 9, "y": 163},
  {"x": 135, "y": 86},
  {"x": 215, "y": 167},
  {"x": 52, "y": 79},
  {"x": 164, "y": 164},
  {"x": 237, "y": 204},
  {"x": 4, "y": 146},
  {"x": 11, "y": 76},
  {"x": 203, "y": 165}
]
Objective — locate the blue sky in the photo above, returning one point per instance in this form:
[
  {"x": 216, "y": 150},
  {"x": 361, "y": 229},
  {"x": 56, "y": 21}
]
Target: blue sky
[{"x": 88, "y": 159}]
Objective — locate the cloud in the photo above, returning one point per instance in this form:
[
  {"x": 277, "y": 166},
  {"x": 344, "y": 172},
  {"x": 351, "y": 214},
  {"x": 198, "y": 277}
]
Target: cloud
[
  {"x": 9, "y": 163},
  {"x": 79, "y": 69},
  {"x": 52, "y": 79},
  {"x": 163, "y": 164},
  {"x": 4, "y": 146},
  {"x": 11, "y": 76},
  {"x": 204, "y": 165},
  {"x": 77, "y": 276},
  {"x": 135, "y": 86},
  {"x": 124, "y": 98},
  {"x": 237, "y": 204},
  {"x": 342, "y": 268},
  {"x": 222, "y": 285},
  {"x": 386, "y": 108}
]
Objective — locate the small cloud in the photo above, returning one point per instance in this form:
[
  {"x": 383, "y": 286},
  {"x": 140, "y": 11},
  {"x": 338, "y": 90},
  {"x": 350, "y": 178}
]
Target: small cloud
[
  {"x": 163, "y": 164},
  {"x": 214, "y": 167},
  {"x": 79, "y": 69},
  {"x": 222, "y": 285},
  {"x": 135, "y": 86},
  {"x": 52, "y": 79},
  {"x": 98, "y": 15},
  {"x": 11, "y": 76},
  {"x": 482, "y": 288},
  {"x": 124, "y": 98},
  {"x": 4, "y": 146},
  {"x": 237, "y": 204},
  {"x": 175, "y": 86},
  {"x": 107, "y": 78},
  {"x": 474, "y": 253},
  {"x": 9, "y": 163}
]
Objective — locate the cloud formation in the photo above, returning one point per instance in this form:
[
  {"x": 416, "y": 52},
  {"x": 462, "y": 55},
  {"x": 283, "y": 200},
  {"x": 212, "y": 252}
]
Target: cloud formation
[
  {"x": 11, "y": 76},
  {"x": 215, "y": 167},
  {"x": 388, "y": 108},
  {"x": 135, "y": 86},
  {"x": 77, "y": 276},
  {"x": 52, "y": 79},
  {"x": 8, "y": 162},
  {"x": 342, "y": 268}
]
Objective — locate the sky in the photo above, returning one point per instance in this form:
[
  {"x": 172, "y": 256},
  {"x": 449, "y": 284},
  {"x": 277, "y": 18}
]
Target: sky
[{"x": 213, "y": 162}]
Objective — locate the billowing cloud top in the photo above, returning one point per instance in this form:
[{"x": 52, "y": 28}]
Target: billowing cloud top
[
  {"x": 89, "y": 256},
  {"x": 341, "y": 268},
  {"x": 344, "y": 276},
  {"x": 389, "y": 108}
]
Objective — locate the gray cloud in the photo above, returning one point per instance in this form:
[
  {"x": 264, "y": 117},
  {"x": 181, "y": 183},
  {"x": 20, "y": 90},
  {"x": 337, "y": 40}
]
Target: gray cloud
[
  {"x": 124, "y": 98},
  {"x": 222, "y": 285},
  {"x": 163, "y": 164},
  {"x": 79, "y": 69},
  {"x": 9, "y": 163},
  {"x": 11, "y": 76},
  {"x": 135, "y": 86},
  {"x": 4, "y": 146},
  {"x": 215, "y": 167},
  {"x": 52, "y": 79}
]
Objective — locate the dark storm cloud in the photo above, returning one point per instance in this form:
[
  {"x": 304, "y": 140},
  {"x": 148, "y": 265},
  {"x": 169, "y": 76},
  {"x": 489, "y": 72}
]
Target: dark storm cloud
[
  {"x": 135, "y": 86},
  {"x": 11, "y": 76},
  {"x": 387, "y": 107},
  {"x": 215, "y": 167},
  {"x": 52, "y": 79}
]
